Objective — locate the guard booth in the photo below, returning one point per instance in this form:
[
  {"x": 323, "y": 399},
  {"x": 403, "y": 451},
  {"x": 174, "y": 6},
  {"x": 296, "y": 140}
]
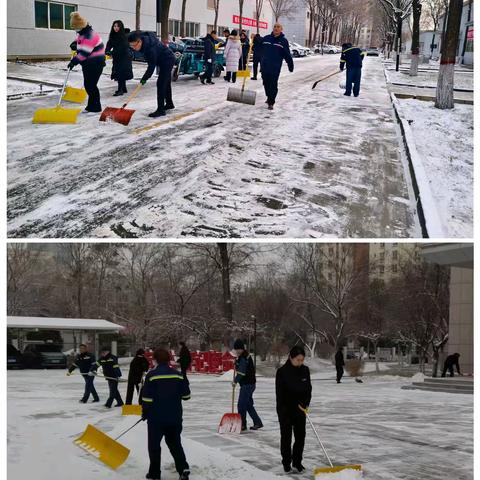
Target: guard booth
[{"x": 73, "y": 331}]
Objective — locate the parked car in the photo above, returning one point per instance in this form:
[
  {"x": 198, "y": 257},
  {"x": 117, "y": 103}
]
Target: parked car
[
  {"x": 44, "y": 355},
  {"x": 14, "y": 357},
  {"x": 297, "y": 50},
  {"x": 330, "y": 49},
  {"x": 372, "y": 52}
]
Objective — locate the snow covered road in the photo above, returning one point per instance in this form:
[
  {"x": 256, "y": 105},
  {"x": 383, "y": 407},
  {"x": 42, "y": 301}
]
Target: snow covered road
[
  {"x": 320, "y": 165},
  {"x": 395, "y": 434}
]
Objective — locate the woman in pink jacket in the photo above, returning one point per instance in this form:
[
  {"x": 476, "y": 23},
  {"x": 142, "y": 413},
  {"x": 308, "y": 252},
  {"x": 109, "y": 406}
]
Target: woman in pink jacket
[
  {"x": 91, "y": 56},
  {"x": 233, "y": 53}
]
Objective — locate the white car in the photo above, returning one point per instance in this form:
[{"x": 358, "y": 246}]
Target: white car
[
  {"x": 297, "y": 50},
  {"x": 330, "y": 49}
]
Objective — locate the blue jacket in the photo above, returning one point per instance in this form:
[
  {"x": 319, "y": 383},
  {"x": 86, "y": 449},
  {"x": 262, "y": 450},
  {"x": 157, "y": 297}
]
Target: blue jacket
[
  {"x": 157, "y": 55},
  {"x": 162, "y": 395},
  {"x": 83, "y": 361},
  {"x": 274, "y": 51},
  {"x": 352, "y": 57},
  {"x": 109, "y": 364},
  {"x": 245, "y": 370}
]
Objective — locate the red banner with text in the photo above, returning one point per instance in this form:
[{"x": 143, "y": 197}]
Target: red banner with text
[{"x": 249, "y": 22}]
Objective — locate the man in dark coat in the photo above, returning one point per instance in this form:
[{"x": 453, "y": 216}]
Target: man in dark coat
[
  {"x": 293, "y": 389},
  {"x": 245, "y": 377},
  {"x": 450, "y": 362},
  {"x": 339, "y": 364},
  {"x": 157, "y": 55},
  {"x": 209, "y": 57},
  {"x": 163, "y": 392},
  {"x": 84, "y": 361},
  {"x": 352, "y": 57},
  {"x": 112, "y": 372},
  {"x": 138, "y": 366},
  {"x": 257, "y": 54},
  {"x": 275, "y": 49},
  {"x": 184, "y": 359}
]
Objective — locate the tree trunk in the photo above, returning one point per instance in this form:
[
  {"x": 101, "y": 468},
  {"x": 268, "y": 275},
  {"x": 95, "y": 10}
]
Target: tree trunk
[
  {"x": 417, "y": 11},
  {"x": 446, "y": 72},
  {"x": 183, "y": 32},
  {"x": 217, "y": 8},
  {"x": 227, "y": 296},
  {"x": 164, "y": 15},
  {"x": 138, "y": 6}
]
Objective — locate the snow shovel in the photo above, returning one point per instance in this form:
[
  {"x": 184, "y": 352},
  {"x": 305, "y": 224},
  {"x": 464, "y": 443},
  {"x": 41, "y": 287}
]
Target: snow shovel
[
  {"x": 240, "y": 95},
  {"x": 324, "y": 78},
  {"x": 245, "y": 73},
  {"x": 105, "y": 448},
  {"x": 131, "y": 409},
  {"x": 120, "y": 115},
  {"x": 321, "y": 471},
  {"x": 58, "y": 114},
  {"x": 231, "y": 422}
]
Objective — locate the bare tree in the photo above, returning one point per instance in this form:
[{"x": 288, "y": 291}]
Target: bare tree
[
  {"x": 283, "y": 8},
  {"x": 241, "y": 4},
  {"x": 183, "y": 31},
  {"x": 258, "y": 12},
  {"x": 164, "y": 17},
  {"x": 434, "y": 9},
  {"x": 216, "y": 7},
  {"x": 138, "y": 8},
  {"x": 417, "y": 12},
  {"x": 446, "y": 74}
]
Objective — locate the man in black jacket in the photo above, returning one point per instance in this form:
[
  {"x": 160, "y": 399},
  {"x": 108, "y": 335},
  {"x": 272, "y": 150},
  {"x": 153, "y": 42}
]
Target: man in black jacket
[
  {"x": 339, "y": 364},
  {"x": 257, "y": 54},
  {"x": 293, "y": 389},
  {"x": 111, "y": 370},
  {"x": 184, "y": 359},
  {"x": 450, "y": 362},
  {"x": 157, "y": 55},
  {"x": 209, "y": 57},
  {"x": 275, "y": 49},
  {"x": 138, "y": 366},
  {"x": 352, "y": 57},
  {"x": 84, "y": 361}
]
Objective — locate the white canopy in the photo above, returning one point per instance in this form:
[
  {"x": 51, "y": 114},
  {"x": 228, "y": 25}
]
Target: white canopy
[{"x": 63, "y": 323}]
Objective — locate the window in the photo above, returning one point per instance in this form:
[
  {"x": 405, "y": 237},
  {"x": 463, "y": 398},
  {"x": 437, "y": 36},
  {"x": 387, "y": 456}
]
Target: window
[
  {"x": 53, "y": 15},
  {"x": 382, "y": 245},
  {"x": 382, "y": 256},
  {"x": 395, "y": 255},
  {"x": 191, "y": 29},
  {"x": 395, "y": 268},
  {"x": 211, "y": 4},
  {"x": 381, "y": 269}
]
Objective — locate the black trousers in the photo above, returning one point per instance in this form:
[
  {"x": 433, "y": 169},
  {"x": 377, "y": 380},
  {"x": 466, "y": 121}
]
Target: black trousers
[
  {"x": 92, "y": 70},
  {"x": 292, "y": 424},
  {"x": 173, "y": 439},
  {"x": 354, "y": 76},
  {"x": 339, "y": 374},
  {"x": 256, "y": 63},
  {"x": 164, "y": 89},
  {"x": 270, "y": 83},
  {"x": 89, "y": 388},
  {"x": 130, "y": 388},
  {"x": 114, "y": 393},
  {"x": 450, "y": 370},
  {"x": 207, "y": 75},
  {"x": 184, "y": 372},
  {"x": 122, "y": 86},
  {"x": 231, "y": 76}
]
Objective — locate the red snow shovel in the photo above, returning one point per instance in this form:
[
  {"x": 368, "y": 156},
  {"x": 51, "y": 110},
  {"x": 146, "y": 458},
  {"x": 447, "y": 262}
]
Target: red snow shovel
[
  {"x": 120, "y": 115},
  {"x": 231, "y": 422}
]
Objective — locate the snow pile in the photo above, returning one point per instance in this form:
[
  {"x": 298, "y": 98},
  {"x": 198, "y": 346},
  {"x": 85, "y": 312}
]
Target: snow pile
[
  {"x": 343, "y": 475},
  {"x": 418, "y": 377}
]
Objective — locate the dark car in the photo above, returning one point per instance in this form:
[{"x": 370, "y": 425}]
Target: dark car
[
  {"x": 44, "y": 355},
  {"x": 14, "y": 357}
]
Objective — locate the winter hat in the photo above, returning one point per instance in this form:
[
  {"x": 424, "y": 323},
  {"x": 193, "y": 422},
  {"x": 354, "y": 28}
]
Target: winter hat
[
  {"x": 140, "y": 351},
  {"x": 238, "y": 345},
  {"x": 77, "y": 22}
]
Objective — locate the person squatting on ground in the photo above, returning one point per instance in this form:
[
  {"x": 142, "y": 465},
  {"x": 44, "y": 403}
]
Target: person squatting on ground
[
  {"x": 352, "y": 57},
  {"x": 84, "y": 361},
  {"x": 293, "y": 388},
  {"x": 450, "y": 362},
  {"x": 184, "y": 359},
  {"x": 91, "y": 56},
  {"x": 138, "y": 366},
  {"x": 162, "y": 396},
  {"x": 257, "y": 54},
  {"x": 117, "y": 48},
  {"x": 157, "y": 55},
  {"x": 209, "y": 57},
  {"x": 232, "y": 54},
  {"x": 339, "y": 364},
  {"x": 245, "y": 377},
  {"x": 275, "y": 49},
  {"x": 111, "y": 370}
]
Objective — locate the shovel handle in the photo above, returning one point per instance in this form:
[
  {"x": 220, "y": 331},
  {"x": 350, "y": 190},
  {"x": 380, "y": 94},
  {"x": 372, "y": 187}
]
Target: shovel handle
[
  {"x": 128, "y": 429},
  {"x": 233, "y": 392},
  {"x": 63, "y": 87},
  {"x": 132, "y": 96}
]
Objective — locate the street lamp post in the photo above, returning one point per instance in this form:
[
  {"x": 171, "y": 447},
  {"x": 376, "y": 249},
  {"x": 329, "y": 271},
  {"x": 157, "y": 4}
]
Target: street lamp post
[
  {"x": 254, "y": 318},
  {"x": 159, "y": 18}
]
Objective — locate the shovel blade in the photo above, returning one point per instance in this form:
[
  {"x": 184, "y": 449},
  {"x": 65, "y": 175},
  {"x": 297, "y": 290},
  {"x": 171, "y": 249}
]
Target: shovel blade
[
  {"x": 325, "y": 473},
  {"x": 230, "y": 423},
  {"x": 243, "y": 74},
  {"x": 103, "y": 447},
  {"x": 75, "y": 95},
  {"x": 247, "y": 97},
  {"x": 118, "y": 115},
  {"x": 56, "y": 115},
  {"x": 131, "y": 410}
]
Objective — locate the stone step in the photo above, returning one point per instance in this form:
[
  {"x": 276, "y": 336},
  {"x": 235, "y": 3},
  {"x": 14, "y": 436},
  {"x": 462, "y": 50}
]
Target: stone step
[
  {"x": 449, "y": 381},
  {"x": 443, "y": 385},
  {"x": 438, "y": 388}
]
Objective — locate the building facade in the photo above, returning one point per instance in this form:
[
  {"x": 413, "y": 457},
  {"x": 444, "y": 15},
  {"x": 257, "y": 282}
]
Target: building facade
[
  {"x": 40, "y": 28},
  {"x": 296, "y": 26}
]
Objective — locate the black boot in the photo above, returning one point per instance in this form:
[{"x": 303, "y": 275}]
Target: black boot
[
  {"x": 299, "y": 467},
  {"x": 185, "y": 475},
  {"x": 169, "y": 106},
  {"x": 157, "y": 113},
  {"x": 287, "y": 468},
  {"x": 118, "y": 93},
  {"x": 151, "y": 477}
]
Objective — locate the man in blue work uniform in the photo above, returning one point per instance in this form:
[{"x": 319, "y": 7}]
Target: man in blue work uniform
[
  {"x": 157, "y": 55},
  {"x": 352, "y": 57},
  {"x": 162, "y": 395},
  {"x": 112, "y": 372},
  {"x": 245, "y": 377},
  {"x": 84, "y": 361},
  {"x": 275, "y": 49}
]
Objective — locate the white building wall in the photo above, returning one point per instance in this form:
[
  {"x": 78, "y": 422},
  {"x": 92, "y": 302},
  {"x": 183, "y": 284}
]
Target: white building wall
[
  {"x": 25, "y": 40},
  {"x": 297, "y": 26}
]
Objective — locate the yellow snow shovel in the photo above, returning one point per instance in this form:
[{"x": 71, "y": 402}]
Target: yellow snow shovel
[
  {"x": 245, "y": 73},
  {"x": 131, "y": 409},
  {"x": 58, "y": 114},
  {"x": 322, "y": 471},
  {"x": 75, "y": 95},
  {"x": 105, "y": 448}
]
